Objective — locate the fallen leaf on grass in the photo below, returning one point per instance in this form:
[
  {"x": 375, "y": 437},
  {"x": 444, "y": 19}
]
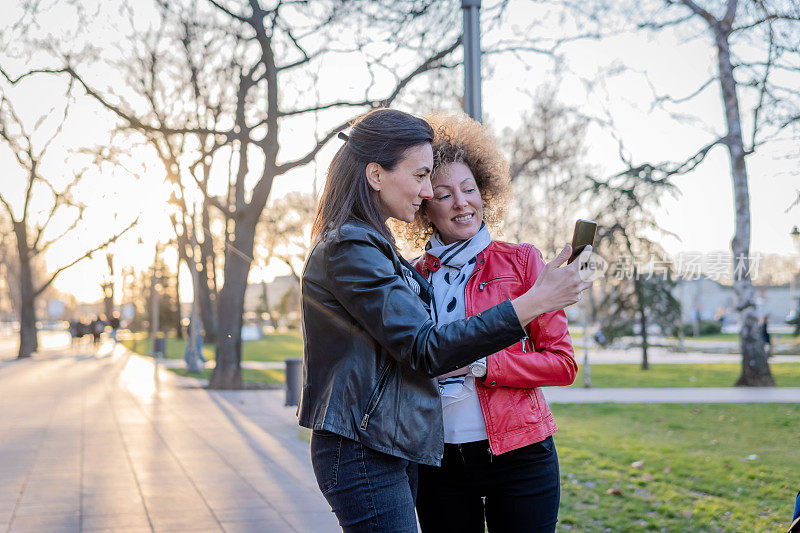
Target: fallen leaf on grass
[
  {"x": 614, "y": 491},
  {"x": 638, "y": 464}
]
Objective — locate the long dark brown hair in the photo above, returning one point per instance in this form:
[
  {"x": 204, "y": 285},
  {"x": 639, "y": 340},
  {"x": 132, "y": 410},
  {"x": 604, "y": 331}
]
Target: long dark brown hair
[{"x": 380, "y": 136}]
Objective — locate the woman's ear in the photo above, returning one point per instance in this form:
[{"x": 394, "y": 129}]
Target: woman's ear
[{"x": 373, "y": 172}]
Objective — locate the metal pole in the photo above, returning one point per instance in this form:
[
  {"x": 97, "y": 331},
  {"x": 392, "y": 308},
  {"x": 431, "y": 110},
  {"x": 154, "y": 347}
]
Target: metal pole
[
  {"x": 587, "y": 376},
  {"x": 193, "y": 361},
  {"x": 472, "y": 58},
  {"x": 154, "y": 314}
]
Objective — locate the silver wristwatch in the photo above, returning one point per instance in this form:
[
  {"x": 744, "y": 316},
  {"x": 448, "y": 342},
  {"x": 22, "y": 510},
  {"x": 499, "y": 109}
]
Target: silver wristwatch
[{"x": 478, "y": 368}]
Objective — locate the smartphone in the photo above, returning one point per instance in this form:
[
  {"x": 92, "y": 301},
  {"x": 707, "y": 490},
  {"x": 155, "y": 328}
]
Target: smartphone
[{"x": 582, "y": 237}]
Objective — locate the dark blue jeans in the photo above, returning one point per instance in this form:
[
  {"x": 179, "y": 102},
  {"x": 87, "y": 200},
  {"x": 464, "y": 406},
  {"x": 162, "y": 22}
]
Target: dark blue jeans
[
  {"x": 521, "y": 488},
  {"x": 368, "y": 490}
]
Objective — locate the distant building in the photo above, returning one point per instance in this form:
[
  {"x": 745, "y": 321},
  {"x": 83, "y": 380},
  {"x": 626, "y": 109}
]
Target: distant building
[
  {"x": 711, "y": 299},
  {"x": 277, "y": 289}
]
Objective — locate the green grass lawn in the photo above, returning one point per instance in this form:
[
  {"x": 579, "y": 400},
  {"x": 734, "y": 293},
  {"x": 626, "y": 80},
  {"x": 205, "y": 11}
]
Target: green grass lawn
[
  {"x": 783, "y": 338},
  {"x": 705, "y": 467},
  {"x": 267, "y": 377},
  {"x": 273, "y": 347},
  {"x": 696, "y": 375}
]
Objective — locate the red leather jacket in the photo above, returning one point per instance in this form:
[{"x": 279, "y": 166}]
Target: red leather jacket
[{"x": 513, "y": 406}]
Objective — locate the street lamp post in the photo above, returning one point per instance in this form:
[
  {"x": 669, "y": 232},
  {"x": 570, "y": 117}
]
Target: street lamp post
[
  {"x": 472, "y": 58},
  {"x": 158, "y": 345},
  {"x": 193, "y": 354},
  {"x": 793, "y": 290}
]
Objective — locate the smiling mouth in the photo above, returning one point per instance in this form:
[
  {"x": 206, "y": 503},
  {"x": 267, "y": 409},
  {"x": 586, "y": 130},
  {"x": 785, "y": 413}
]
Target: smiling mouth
[{"x": 463, "y": 218}]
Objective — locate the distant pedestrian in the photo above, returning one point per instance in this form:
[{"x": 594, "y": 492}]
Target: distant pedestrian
[
  {"x": 96, "y": 328},
  {"x": 765, "y": 336},
  {"x": 84, "y": 328},
  {"x": 199, "y": 341},
  {"x": 74, "y": 330},
  {"x": 599, "y": 337},
  {"x": 114, "y": 324}
]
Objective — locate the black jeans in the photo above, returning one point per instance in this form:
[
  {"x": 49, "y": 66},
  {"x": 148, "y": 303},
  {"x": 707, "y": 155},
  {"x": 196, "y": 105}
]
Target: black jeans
[
  {"x": 368, "y": 490},
  {"x": 521, "y": 488}
]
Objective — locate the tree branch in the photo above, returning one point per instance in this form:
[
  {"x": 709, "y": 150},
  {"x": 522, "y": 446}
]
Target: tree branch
[
  {"x": 667, "y": 98},
  {"x": 134, "y": 122},
  {"x": 708, "y": 17},
  {"x": 768, "y": 18},
  {"x": 228, "y": 12},
  {"x": 38, "y": 251},
  {"x": 58, "y": 271}
]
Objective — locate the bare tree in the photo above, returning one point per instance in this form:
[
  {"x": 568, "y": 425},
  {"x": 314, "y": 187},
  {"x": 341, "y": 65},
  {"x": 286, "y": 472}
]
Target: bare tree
[
  {"x": 757, "y": 74},
  {"x": 546, "y": 158},
  {"x": 269, "y": 54},
  {"x": 286, "y": 228},
  {"x": 638, "y": 286},
  {"x": 32, "y": 225}
]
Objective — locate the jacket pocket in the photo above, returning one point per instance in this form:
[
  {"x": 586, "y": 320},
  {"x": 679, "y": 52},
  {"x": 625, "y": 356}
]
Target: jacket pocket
[
  {"x": 482, "y": 285},
  {"x": 536, "y": 413},
  {"x": 375, "y": 397},
  {"x": 326, "y": 456}
]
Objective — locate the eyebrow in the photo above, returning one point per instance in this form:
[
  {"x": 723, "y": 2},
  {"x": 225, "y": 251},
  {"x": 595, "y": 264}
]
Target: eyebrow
[
  {"x": 426, "y": 169},
  {"x": 448, "y": 186}
]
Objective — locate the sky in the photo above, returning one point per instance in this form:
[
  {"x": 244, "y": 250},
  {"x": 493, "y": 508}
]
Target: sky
[{"x": 701, "y": 217}]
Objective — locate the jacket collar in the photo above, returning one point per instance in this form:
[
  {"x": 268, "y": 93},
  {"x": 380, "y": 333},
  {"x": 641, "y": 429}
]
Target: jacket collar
[{"x": 427, "y": 263}]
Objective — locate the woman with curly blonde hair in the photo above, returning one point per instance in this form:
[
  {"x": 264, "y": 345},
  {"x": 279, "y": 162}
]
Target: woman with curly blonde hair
[{"x": 500, "y": 466}]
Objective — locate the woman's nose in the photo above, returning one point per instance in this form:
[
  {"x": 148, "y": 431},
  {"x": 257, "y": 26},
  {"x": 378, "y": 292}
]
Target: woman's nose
[
  {"x": 459, "y": 200},
  {"x": 427, "y": 189}
]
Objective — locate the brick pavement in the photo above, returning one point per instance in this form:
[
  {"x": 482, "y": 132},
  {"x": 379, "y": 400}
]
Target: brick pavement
[{"x": 94, "y": 443}]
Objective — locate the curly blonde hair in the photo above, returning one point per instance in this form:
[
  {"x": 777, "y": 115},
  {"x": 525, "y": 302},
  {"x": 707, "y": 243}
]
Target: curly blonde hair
[{"x": 460, "y": 139}]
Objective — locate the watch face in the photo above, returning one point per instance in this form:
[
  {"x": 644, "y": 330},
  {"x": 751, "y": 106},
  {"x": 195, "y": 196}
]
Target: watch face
[{"x": 478, "y": 370}]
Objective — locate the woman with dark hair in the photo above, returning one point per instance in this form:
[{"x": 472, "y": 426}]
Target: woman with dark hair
[
  {"x": 500, "y": 466},
  {"x": 370, "y": 346}
]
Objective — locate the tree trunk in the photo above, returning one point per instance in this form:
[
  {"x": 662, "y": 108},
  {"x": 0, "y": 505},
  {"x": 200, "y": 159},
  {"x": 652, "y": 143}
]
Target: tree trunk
[
  {"x": 230, "y": 306},
  {"x": 108, "y": 304},
  {"x": 28, "y": 343},
  {"x": 272, "y": 320},
  {"x": 208, "y": 283},
  {"x": 755, "y": 368},
  {"x": 642, "y": 320},
  {"x": 207, "y": 294},
  {"x": 178, "y": 315}
]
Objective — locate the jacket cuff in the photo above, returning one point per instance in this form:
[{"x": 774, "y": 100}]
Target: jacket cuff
[{"x": 510, "y": 316}]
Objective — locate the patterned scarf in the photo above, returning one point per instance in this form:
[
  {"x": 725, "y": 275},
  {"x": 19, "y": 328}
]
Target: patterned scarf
[{"x": 458, "y": 262}]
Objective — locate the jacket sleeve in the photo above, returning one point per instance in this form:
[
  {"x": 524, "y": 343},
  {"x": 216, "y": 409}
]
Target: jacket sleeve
[
  {"x": 363, "y": 279},
  {"x": 551, "y": 363}
]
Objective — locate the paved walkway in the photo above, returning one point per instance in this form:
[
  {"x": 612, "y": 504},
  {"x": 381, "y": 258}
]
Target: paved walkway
[
  {"x": 94, "y": 443},
  {"x": 681, "y": 395}
]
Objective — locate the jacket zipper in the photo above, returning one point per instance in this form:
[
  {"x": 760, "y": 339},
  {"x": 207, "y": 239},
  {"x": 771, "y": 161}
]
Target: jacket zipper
[
  {"x": 482, "y": 284},
  {"x": 375, "y": 398},
  {"x": 524, "y": 340}
]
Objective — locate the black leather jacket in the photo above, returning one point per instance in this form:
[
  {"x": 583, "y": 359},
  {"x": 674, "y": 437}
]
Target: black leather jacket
[{"x": 371, "y": 351}]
